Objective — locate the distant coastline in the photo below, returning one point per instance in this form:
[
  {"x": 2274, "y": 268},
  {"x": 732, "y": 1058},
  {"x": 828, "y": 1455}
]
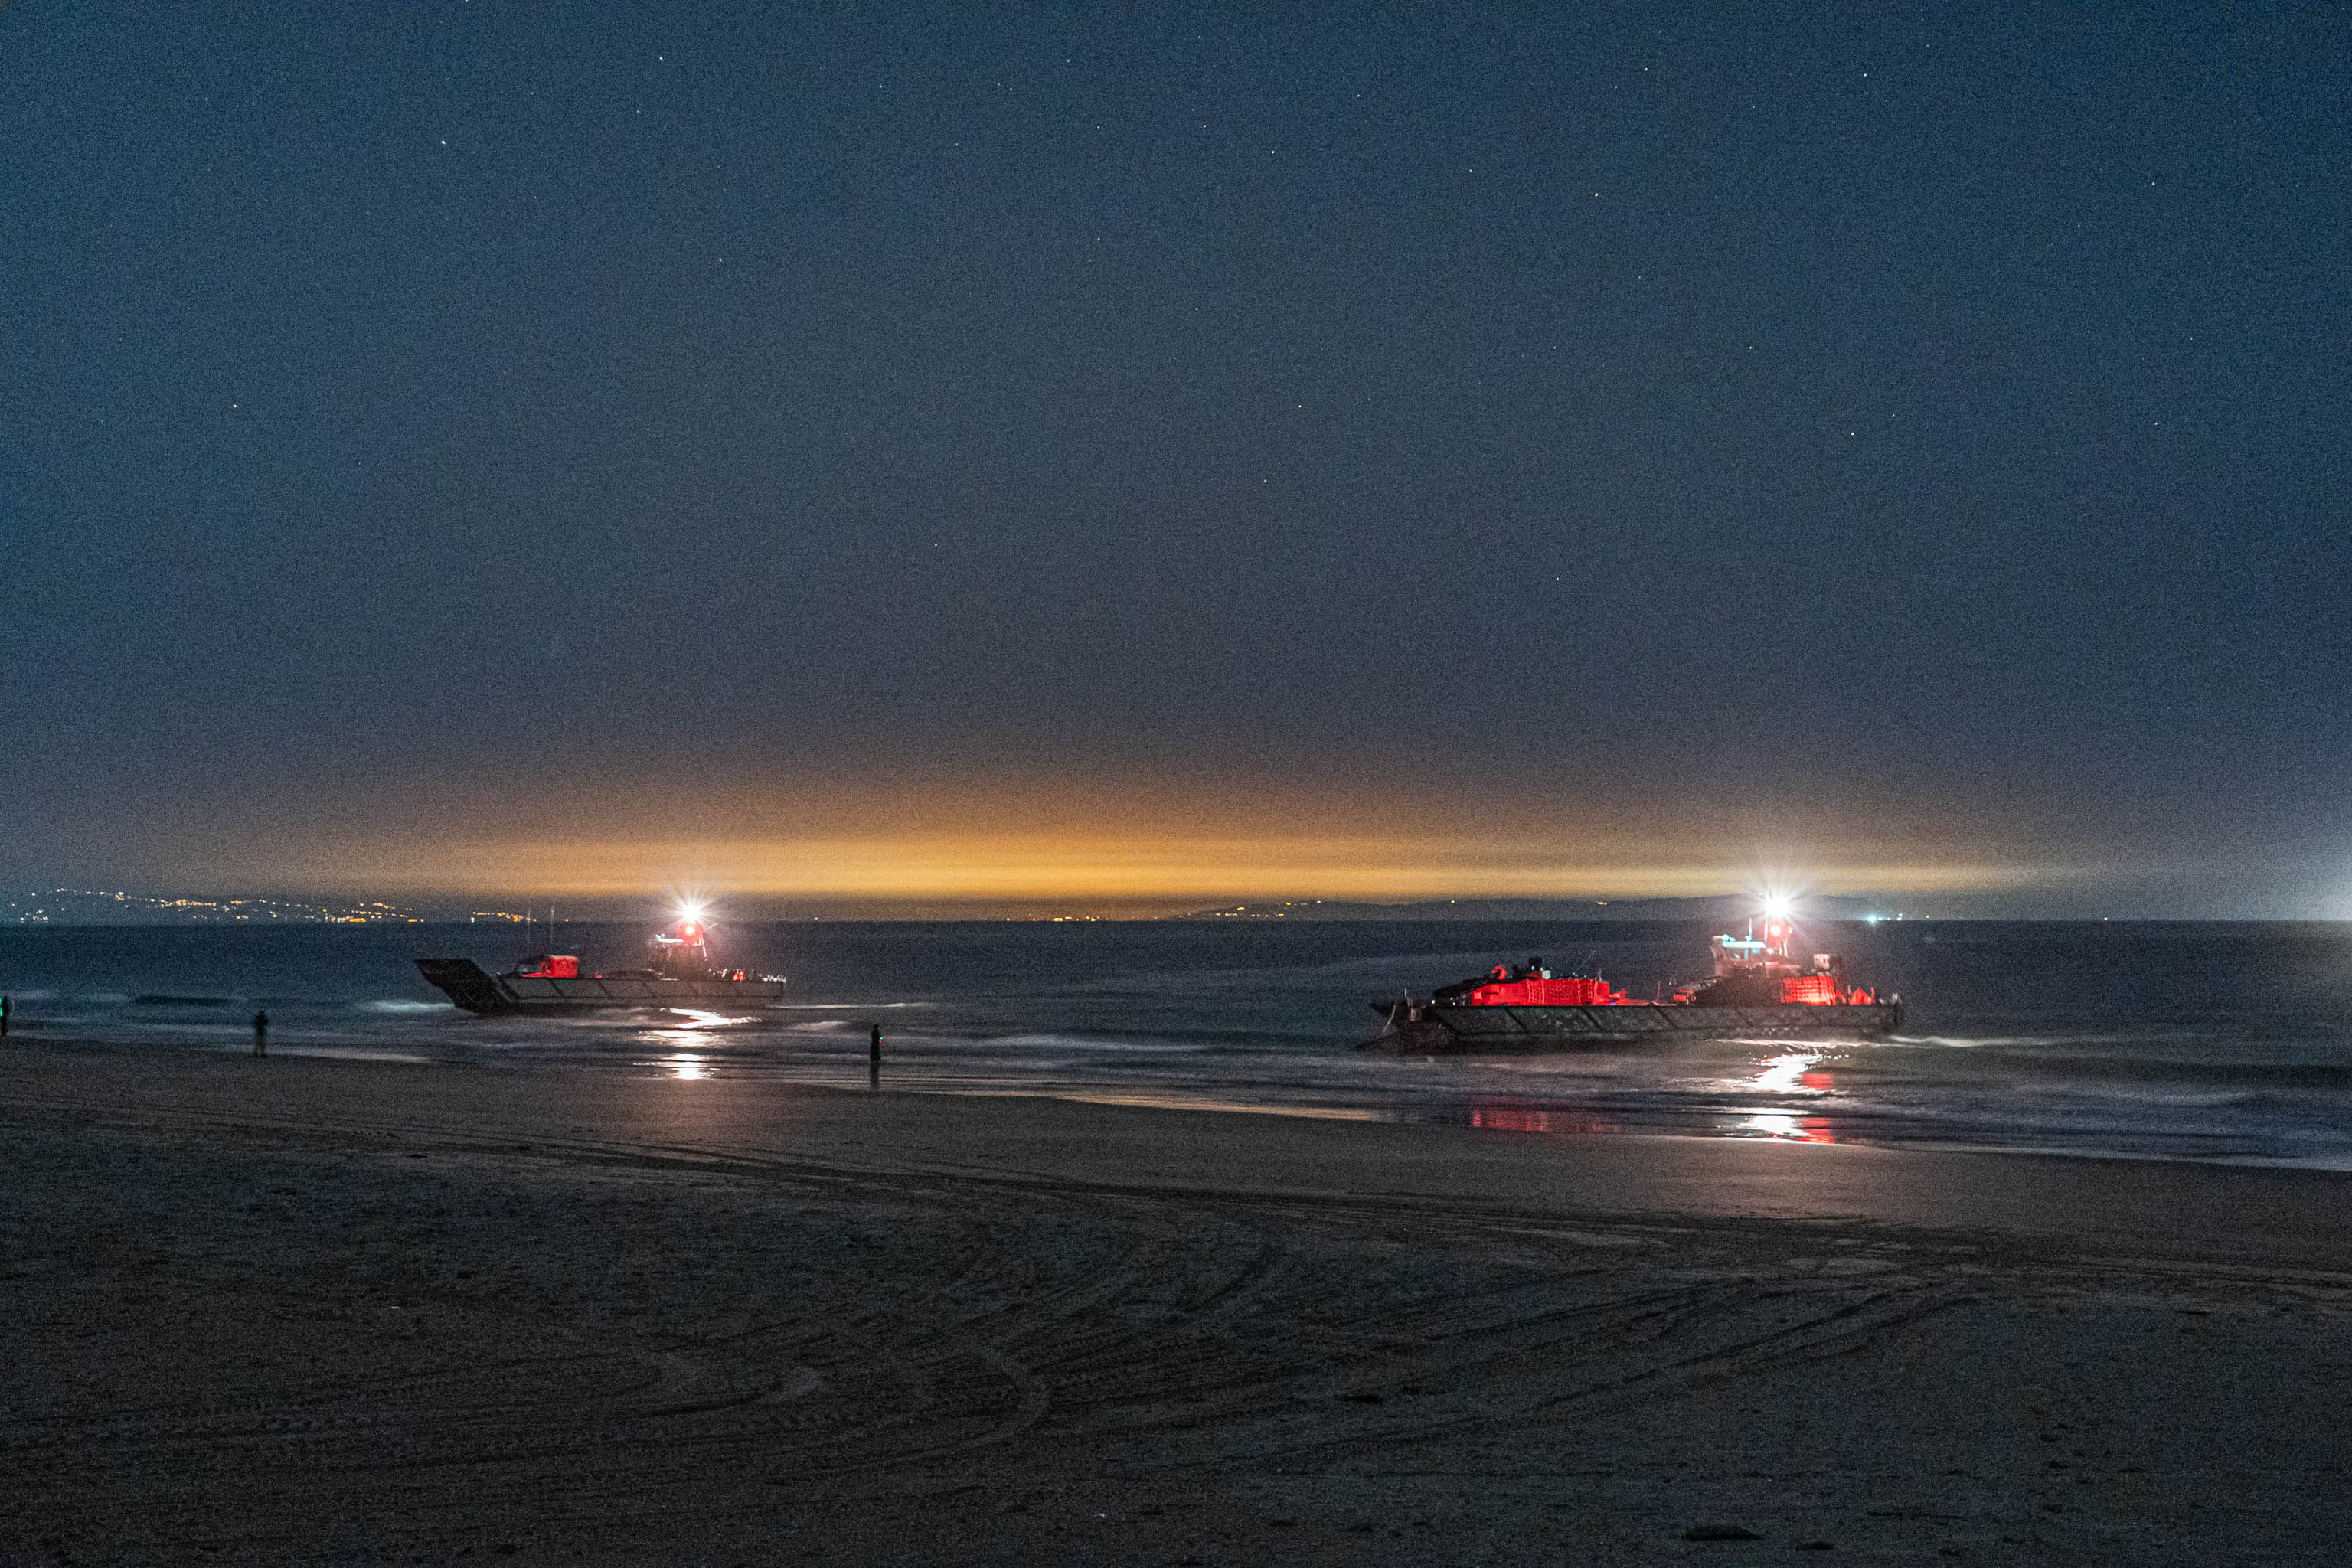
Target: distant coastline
[
  {"x": 1710, "y": 907},
  {"x": 74, "y": 907},
  {"x": 81, "y": 905}
]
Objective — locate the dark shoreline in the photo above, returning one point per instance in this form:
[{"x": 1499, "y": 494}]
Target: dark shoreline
[{"x": 305, "y": 1309}]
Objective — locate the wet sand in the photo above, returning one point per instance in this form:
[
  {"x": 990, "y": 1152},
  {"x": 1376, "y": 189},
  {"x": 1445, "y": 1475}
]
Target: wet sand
[{"x": 310, "y": 1310}]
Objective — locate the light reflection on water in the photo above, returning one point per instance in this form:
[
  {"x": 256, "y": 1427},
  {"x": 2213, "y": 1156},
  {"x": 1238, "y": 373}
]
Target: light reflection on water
[
  {"x": 1204, "y": 1103},
  {"x": 1793, "y": 1073},
  {"x": 1785, "y": 1075},
  {"x": 1538, "y": 1119},
  {"x": 1782, "y": 1128},
  {"x": 689, "y": 1031}
]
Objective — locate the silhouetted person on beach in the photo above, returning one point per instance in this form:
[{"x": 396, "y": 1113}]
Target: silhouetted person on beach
[
  {"x": 261, "y": 1033},
  {"x": 4, "y": 1017},
  {"x": 874, "y": 1057}
]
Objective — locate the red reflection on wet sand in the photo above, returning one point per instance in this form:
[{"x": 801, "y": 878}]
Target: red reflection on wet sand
[
  {"x": 1782, "y": 1128},
  {"x": 1817, "y": 1080},
  {"x": 1518, "y": 1119}
]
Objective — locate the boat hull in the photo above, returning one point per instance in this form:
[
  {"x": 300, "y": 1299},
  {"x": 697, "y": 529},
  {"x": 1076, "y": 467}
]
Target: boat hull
[
  {"x": 474, "y": 989},
  {"x": 1427, "y": 1029}
]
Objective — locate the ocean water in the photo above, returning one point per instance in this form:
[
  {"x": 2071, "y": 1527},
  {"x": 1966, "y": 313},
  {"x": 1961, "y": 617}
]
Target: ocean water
[{"x": 2228, "y": 1042}]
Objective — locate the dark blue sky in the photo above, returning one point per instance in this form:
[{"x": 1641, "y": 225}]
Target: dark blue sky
[{"x": 1876, "y": 431}]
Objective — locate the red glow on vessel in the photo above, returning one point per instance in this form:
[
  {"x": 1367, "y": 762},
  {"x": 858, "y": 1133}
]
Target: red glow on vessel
[{"x": 1539, "y": 989}]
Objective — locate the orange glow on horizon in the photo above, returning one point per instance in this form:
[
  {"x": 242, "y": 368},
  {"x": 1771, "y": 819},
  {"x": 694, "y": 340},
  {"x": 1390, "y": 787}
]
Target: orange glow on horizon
[
  {"x": 953, "y": 833},
  {"x": 982, "y": 866}
]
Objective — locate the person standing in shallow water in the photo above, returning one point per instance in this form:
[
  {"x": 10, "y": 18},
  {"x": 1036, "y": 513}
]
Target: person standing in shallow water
[{"x": 261, "y": 1033}]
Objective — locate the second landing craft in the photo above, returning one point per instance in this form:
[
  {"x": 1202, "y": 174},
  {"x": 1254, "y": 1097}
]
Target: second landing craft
[
  {"x": 677, "y": 973},
  {"x": 1760, "y": 988}
]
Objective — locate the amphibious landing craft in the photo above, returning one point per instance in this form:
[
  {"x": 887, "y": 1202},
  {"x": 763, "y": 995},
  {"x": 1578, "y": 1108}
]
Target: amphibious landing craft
[
  {"x": 1759, "y": 987},
  {"x": 677, "y": 973}
]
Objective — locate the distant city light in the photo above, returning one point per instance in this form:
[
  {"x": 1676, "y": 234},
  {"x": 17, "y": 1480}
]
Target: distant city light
[{"x": 108, "y": 907}]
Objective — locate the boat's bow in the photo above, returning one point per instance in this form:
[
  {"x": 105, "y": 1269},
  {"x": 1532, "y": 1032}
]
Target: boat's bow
[{"x": 465, "y": 983}]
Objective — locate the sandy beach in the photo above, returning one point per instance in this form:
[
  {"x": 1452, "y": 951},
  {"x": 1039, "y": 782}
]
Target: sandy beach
[{"x": 329, "y": 1311}]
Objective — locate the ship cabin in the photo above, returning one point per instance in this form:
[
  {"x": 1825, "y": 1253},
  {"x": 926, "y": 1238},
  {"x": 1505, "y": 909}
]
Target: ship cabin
[
  {"x": 683, "y": 950},
  {"x": 1758, "y": 968}
]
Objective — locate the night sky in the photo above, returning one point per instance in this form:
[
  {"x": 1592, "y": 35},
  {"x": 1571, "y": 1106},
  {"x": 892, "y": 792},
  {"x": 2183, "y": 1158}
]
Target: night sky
[{"x": 1098, "y": 453}]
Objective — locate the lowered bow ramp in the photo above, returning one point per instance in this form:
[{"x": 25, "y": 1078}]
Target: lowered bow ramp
[{"x": 465, "y": 982}]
